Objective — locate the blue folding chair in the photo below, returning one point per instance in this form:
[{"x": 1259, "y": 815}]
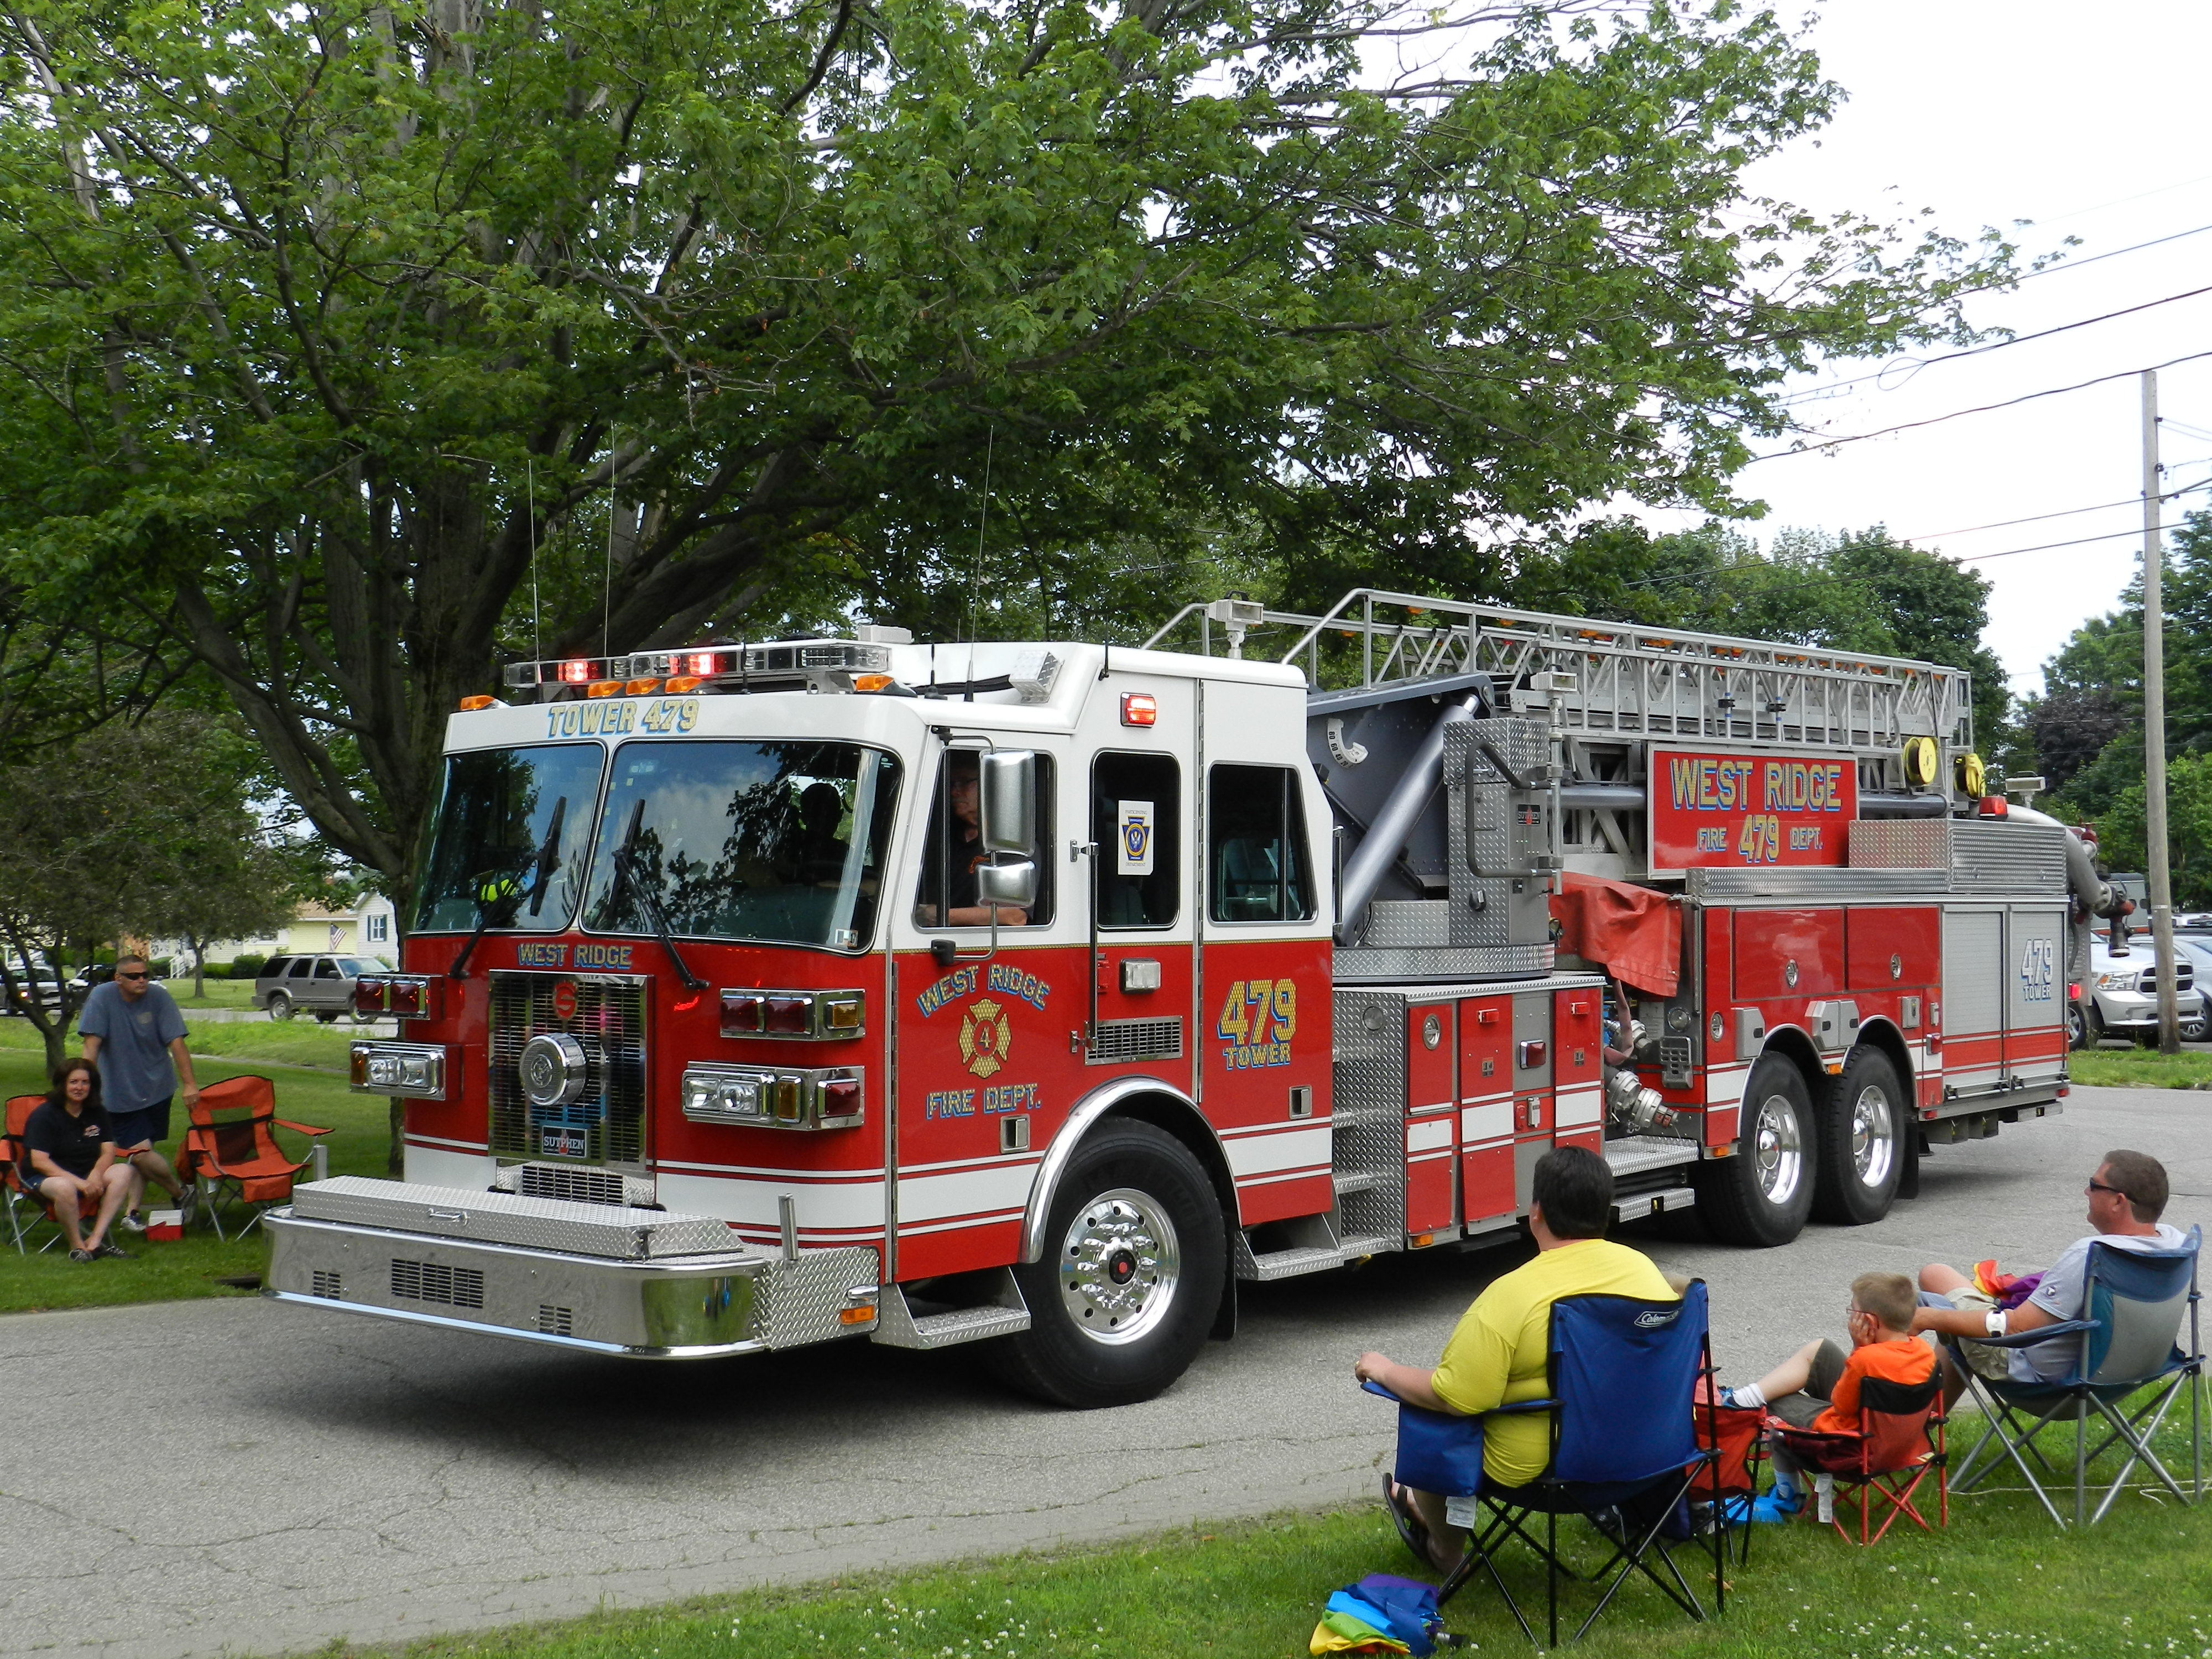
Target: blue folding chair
[
  {"x": 2124, "y": 1342},
  {"x": 1623, "y": 1376}
]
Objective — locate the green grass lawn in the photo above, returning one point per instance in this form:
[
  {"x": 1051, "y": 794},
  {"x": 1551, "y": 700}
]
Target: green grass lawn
[
  {"x": 1999, "y": 1582},
  {"x": 307, "y": 1063},
  {"x": 2141, "y": 1068}
]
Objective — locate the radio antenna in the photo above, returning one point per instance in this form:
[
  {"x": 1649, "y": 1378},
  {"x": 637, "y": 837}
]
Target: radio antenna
[
  {"x": 530, "y": 486},
  {"x": 982, "y": 519},
  {"x": 607, "y": 575}
]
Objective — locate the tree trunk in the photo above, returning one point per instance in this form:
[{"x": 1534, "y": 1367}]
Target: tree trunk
[{"x": 200, "y": 969}]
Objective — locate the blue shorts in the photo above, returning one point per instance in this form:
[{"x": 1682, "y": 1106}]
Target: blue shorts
[{"x": 150, "y": 1126}]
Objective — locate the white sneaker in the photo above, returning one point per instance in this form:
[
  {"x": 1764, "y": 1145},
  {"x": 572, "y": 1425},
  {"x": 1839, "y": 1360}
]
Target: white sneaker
[{"x": 130, "y": 1223}]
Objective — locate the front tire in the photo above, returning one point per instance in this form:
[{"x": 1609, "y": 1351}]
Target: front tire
[
  {"x": 1761, "y": 1196},
  {"x": 1861, "y": 1141},
  {"x": 280, "y": 1005},
  {"x": 1136, "y": 1259}
]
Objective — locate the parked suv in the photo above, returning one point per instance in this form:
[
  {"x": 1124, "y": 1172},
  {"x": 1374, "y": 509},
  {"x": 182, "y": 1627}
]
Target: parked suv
[
  {"x": 317, "y": 985},
  {"x": 2121, "y": 998}
]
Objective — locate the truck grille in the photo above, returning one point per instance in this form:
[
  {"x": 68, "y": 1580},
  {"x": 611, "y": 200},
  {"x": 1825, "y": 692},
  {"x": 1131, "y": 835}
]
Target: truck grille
[
  {"x": 608, "y": 1118},
  {"x": 577, "y": 1186},
  {"x": 433, "y": 1281}
]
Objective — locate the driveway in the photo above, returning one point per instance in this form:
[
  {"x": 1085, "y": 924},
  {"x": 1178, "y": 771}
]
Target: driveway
[{"x": 243, "y": 1476}]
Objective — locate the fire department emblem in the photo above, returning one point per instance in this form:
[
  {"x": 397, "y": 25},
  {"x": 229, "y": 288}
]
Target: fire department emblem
[
  {"x": 984, "y": 1037},
  {"x": 564, "y": 999}
]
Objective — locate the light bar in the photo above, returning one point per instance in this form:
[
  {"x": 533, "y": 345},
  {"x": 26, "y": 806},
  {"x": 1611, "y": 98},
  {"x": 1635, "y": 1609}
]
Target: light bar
[
  {"x": 831, "y": 1014},
  {"x": 822, "y": 664},
  {"x": 403, "y": 996}
]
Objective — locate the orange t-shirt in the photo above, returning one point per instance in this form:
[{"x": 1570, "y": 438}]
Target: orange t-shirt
[{"x": 1906, "y": 1360}]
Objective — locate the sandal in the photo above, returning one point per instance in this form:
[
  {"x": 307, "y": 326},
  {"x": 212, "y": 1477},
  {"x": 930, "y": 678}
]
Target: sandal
[{"x": 1410, "y": 1528}]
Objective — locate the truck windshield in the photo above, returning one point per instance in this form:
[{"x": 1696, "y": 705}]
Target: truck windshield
[
  {"x": 780, "y": 842},
  {"x": 512, "y": 830}
]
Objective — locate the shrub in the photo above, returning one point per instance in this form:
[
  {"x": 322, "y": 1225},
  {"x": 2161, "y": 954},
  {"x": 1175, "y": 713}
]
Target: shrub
[{"x": 247, "y": 967}]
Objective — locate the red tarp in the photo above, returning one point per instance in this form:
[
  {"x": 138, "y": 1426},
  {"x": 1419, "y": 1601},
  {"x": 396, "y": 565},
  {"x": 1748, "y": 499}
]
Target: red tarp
[{"x": 1635, "y": 933}]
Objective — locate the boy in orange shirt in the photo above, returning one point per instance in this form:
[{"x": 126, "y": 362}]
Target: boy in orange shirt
[{"x": 1817, "y": 1387}]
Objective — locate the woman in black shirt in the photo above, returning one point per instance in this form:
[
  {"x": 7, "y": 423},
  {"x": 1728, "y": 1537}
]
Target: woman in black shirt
[{"x": 71, "y": 1163}]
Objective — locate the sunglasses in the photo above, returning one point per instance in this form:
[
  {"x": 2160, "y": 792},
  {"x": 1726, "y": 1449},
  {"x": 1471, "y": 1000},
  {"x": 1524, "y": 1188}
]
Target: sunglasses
[
  {"x": 130, "y": 976},
  {"x": 2100, "y": 1186}
]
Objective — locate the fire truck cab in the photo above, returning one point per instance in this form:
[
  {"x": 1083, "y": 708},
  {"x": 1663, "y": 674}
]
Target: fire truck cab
[{"x": 759, "y": 995}]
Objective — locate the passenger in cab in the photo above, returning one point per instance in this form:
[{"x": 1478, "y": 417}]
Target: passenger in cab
[{"x": 953, "y": 873}]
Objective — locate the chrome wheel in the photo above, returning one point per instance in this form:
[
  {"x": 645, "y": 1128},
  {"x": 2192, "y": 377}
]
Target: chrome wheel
[
  {"x": 1119, "y": 1266},
  {"x": 1778, "y": 1150},
  {"x": 1874, "y": 1136}
]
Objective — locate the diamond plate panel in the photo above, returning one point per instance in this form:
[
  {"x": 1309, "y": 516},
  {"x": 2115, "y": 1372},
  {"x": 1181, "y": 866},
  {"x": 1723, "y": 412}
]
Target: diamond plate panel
[
  {"x": 2007, "y": 858},
  {"x": 799, "y": 1300},
  {"x": 1506, "y": 834},
  {"x": 1451, "y": 962},
  {"x": 1899, "y": 844},
  {"x": 535, "y": 1224},
  {"x": 1408, "y": 924},
  {"x": 1370, "y": 1080}
]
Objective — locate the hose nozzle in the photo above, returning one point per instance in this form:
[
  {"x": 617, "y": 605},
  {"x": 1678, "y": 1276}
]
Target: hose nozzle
[{"x": 1640, "y": 1110}]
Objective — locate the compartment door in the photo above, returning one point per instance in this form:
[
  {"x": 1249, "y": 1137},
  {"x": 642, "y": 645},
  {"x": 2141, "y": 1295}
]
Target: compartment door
[
  {"x": 2035, "y": 992},
  {"x": 1485, "y": 1109},
  {"x": 1578, "y": 1069},
  {"x": 1974, "y": 1000},
  {"x": 1432, "y": 1136}
]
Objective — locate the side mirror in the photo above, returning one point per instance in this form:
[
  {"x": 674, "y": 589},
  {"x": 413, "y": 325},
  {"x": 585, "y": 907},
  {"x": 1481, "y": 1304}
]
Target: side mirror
[
  {"x": 1009, "y": 797},
  {"x": 1014, "y": 883}
]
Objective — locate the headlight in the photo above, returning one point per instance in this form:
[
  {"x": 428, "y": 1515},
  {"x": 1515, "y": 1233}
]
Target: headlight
[
  {"x": 2120, "y": 981},
  {"x": 416, "y": 1070}
]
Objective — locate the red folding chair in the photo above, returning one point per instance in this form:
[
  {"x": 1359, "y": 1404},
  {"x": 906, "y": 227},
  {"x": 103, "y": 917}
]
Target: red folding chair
[
  {"x": 1737, "y": 1434},
  {"x": 15, "y": 1163},
  {"x": 232, "y": 1145},
  {"x": 1898, "y": 1445}
]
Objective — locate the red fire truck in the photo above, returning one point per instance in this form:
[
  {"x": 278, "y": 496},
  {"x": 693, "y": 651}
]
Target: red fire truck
[{"x": 760, "y": 995}]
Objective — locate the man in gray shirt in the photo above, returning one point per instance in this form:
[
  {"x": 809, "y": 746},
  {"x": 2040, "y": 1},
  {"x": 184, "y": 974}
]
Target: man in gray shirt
[
  {"x": 2126, "y": 1195},
  {"x": 134, "y": 1033}
]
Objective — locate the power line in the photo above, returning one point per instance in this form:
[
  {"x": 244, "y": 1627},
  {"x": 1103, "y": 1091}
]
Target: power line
[
  {"x": 1818, "y": 443},
  {"x": 1916, "y": 364},
  {"x": 2037, "y": 518},
  {"x": 2134, "y": 247},
  {"x": 1975, "y": 558}
]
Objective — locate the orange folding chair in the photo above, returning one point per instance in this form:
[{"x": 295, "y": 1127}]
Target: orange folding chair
[
  {"x": 27, "y": 1210},
  {"x": 232, "y": 1145},
  {"x": 1900, "y": 1445}
]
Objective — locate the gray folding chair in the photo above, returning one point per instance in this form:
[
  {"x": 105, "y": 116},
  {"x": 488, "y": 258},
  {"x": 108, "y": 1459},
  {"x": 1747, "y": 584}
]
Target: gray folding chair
[{"x": 2126, "y": 1341}]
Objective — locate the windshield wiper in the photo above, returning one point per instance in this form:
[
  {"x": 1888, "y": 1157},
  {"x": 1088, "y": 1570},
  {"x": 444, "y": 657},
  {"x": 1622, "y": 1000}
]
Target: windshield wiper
[
  {"x": 648, "y": 903},
  {"x": 541, "y": 868}
]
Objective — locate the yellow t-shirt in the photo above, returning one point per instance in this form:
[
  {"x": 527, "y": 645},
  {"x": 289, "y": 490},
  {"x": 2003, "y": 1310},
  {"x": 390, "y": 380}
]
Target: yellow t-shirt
[{"x": 1499, "y": 1351}]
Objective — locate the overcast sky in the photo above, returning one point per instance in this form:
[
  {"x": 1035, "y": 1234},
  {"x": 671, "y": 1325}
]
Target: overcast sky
[{"x": 2090, "y": 122}]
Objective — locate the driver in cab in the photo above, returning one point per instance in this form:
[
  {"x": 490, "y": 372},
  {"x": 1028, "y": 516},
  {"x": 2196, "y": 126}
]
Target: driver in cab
[{"x": 964, "y": 785}]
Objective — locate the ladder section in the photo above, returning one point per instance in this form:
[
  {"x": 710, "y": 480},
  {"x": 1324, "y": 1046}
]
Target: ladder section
[{"x": 1601, "y": 679}]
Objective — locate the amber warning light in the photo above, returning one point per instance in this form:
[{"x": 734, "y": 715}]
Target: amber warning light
[{"x": 1140, "y": 708}]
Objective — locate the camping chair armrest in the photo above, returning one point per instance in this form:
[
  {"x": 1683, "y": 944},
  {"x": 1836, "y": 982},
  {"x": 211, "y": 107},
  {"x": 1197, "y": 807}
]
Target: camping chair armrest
[
  {"x": 300, "y": 1128},
  {"x": 1519, "y": 1406},
  {"x": 2029, "y": 1339}
]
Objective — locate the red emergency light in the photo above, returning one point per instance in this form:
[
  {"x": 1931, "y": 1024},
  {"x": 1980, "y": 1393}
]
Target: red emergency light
[{"x": 1140, "y": 708}]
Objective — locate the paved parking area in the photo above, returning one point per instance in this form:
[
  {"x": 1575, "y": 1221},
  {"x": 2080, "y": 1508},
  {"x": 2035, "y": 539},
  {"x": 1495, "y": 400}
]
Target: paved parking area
[{"x": 190, "y": 1478}]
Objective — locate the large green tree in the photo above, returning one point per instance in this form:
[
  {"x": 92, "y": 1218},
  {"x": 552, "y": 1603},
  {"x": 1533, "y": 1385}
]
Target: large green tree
[
  {"x": 329, "y": 324},
  {"x": 2087, "y": 726}
]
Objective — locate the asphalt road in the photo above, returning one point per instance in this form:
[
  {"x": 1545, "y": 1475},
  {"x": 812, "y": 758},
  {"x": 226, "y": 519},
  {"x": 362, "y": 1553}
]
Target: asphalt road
[{"x": 204, "y": 1476}]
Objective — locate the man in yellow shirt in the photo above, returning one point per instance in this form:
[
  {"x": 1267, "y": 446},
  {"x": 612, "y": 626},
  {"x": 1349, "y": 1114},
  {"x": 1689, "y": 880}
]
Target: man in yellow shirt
[{"x": 1500, "y": 1350}]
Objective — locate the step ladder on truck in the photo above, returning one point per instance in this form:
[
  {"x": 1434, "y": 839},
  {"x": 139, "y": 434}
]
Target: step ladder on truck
[{"x": 1038, "y": 994}]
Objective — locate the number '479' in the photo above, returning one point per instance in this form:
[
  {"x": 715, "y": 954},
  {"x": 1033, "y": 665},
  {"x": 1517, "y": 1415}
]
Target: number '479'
[{"x": 1259, "y": 1010}]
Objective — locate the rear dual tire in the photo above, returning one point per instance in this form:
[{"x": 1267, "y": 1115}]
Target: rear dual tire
[{"x": 1861, "y": 1141}]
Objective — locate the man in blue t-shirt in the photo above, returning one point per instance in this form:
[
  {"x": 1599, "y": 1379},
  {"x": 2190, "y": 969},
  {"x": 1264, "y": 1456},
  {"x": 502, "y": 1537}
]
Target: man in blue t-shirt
[{"x": 134, "y": 1033}]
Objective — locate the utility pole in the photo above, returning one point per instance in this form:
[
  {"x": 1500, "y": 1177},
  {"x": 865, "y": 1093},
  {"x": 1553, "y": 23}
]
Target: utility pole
[{"x": 2154, "y": 657}]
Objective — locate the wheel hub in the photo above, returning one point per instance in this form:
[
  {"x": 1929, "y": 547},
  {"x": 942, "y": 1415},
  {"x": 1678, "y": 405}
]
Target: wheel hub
[
  {"x": 1874, "y": 1137},
  {"x": 1120, "y": 1264},
  {"x": 1778, "y": 1150}
]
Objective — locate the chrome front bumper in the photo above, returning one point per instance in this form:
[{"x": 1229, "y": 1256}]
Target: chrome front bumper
[{"x": 679, "y": 1306}]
